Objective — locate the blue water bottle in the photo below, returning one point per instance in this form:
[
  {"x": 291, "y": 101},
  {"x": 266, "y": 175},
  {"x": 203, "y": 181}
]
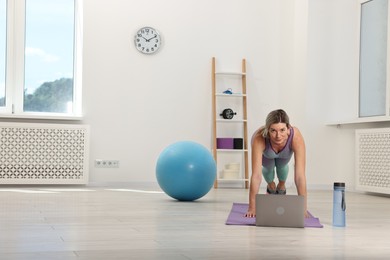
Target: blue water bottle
[{"x": 339, "y": 204}]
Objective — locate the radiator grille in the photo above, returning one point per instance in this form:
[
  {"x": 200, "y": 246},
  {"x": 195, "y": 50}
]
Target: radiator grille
[
  {"x": 373, "y": 160},
  {"x": 43, "y": 154}
]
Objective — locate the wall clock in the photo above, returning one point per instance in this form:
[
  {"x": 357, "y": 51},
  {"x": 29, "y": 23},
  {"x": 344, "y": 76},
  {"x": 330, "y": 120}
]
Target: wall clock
[{"x": 147, "y": 40}]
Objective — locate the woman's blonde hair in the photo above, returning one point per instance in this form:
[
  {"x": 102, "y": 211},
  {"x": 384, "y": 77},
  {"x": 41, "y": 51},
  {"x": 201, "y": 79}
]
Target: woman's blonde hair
[{"x": 275, "y": 117}]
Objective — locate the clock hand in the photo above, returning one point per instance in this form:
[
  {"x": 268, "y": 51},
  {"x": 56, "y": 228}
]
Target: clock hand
[{"x": 151, "y": 38}]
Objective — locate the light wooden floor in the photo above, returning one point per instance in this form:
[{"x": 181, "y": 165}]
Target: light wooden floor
[{"x": 129, "y": 223}]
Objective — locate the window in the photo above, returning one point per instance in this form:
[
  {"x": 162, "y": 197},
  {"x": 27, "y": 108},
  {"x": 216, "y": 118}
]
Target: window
[
  {"x": 40, "y": 58},
  {"x": 373, "y": 97}
]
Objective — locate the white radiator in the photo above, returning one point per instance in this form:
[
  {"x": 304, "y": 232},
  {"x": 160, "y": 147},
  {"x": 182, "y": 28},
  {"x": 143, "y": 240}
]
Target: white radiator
[
  {"x": 373, "y": 160},
  {"x": 43, "y": 153}
]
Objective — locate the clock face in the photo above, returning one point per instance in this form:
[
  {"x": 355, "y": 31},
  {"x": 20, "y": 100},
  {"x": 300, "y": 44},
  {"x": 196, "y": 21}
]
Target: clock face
[{"x": 147, "y": 40}]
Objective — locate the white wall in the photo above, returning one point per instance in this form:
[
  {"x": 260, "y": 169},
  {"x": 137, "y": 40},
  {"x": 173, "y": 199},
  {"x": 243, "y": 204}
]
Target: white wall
[
  {"x": 332, "y": 93},
  {"x": 138, "y": 104},
  {"x": 299, "y": 55},
  {"x": 332, "y": 74}
]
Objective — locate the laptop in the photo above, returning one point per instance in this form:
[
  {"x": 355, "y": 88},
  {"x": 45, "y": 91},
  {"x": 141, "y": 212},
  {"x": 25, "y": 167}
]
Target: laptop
[{"x": 280, "y": 211}]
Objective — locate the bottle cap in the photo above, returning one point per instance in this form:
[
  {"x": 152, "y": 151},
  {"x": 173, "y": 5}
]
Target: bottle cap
[{"x": 339, "y": 184}]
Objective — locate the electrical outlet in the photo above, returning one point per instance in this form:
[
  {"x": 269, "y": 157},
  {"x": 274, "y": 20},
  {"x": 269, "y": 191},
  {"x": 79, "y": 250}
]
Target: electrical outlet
[{"x": 100, "y": 163}]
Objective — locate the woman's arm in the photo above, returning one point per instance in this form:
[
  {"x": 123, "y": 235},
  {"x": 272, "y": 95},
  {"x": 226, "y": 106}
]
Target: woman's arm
[
  {"x": 258, "y": 146},
  {"x": 299, "y": 149}
]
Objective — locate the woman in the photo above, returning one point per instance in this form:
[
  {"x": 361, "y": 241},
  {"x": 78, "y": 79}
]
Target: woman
[{"x": 272, "y": 148}]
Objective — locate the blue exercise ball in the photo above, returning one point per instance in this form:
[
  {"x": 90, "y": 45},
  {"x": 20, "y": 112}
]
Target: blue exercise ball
[{"x": 186, "y": 170}]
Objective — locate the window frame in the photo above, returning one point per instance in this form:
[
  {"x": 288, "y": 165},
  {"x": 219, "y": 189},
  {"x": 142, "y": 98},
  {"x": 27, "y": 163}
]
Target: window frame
[{"x": 15, "y": 54}]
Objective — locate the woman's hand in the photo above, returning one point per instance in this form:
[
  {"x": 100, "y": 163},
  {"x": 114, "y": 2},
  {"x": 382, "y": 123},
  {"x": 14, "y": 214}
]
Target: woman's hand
[{"x": 250, "y": 214}]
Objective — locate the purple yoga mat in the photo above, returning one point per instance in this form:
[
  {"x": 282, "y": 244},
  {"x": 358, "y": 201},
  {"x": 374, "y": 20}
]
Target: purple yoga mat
[{"x": 236, "y": 217}]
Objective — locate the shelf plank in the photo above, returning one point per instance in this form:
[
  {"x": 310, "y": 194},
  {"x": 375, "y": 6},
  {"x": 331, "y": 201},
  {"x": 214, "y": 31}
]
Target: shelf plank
[
  {"x": 232, "y": 150},
  {"x": 232, "y": 73},
  {"x": 232, "y": 179},
  {"x": 230, "y": 95},
  {"x": 232, "y": 120}
]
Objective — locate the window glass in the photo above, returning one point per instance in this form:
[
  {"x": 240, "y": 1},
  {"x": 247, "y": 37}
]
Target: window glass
[
  {"x": 49, "y": 56},
  {"x": 3, "y": 38},
  {"x": 373, "y": 53}
]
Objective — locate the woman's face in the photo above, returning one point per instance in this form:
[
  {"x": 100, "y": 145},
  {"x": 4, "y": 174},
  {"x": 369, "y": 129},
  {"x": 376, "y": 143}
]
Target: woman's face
[{"x": 278, "y": 133}]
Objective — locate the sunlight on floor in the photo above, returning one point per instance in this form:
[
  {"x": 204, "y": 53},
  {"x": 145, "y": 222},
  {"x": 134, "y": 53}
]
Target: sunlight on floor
[{"x": 26, "y": 191}]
